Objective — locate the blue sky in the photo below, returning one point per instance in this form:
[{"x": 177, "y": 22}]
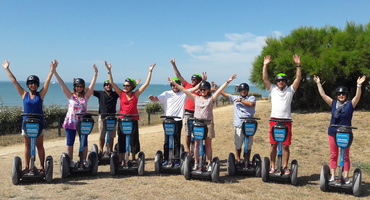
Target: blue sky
[{"x": 219, "y": 37}]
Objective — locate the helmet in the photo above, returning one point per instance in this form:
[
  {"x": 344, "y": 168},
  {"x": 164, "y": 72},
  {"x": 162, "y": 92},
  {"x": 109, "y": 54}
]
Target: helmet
[
  {"x": 132, "y": 82},
  {"x": 78, "y": 81},
  {"x": 243, "y": 86},
  {"x": 281, "y": 76},
  {"x": 197, "y": 76},
  {"x": 341, "y": 89},
  {"x": 205, "y": 84},
  {"x": 176, "y": 80},
  {"x": 34, "y": 79},
  {"x": 106, "y": 82}
]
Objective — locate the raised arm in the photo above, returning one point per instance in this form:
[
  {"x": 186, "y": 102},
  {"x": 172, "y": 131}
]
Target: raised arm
[
  {"x": 265, "y": 76},
  {"x": 65, "y": 89},
  {"x": 45, "y": 88},
  {"x": 21, "y": 91},
  {"x": 298, "y": 76},
  {"x": 177, "y": 72},
  {"x": 356, "y": 99},
  {"x": 325, "y": 97},
  {"x": 153, "y": 98},
  {"x": 225, "y": 94},
  {"x": 90, "y": 89},
  {"x": 145, "y": 85},
  {"x": 222, "y": 87},
  {"x": 187, "y": 92},
  {"x": 110, "y": 77}
]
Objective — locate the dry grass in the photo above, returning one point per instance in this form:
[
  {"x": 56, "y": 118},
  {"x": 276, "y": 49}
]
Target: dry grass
[{"x": 309, "y": 147}]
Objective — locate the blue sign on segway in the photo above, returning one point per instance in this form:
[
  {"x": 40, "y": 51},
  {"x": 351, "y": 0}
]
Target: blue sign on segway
[
  {"x": 110, "y": 124},
  {"x": 279, "y": 134},
  {"x": 198, "y": 133},
  {"x": 86, "y": 128},
  {"x": 169, "y": 129},
  {"x": 127, "y": 128},
  {"x": 249, "y": 129},
  {"x": 32, "y": 130},
  {"x": 342, "y": 140}
]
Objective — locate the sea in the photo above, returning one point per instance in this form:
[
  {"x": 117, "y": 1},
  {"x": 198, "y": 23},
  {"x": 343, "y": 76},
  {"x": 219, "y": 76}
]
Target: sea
[{"x": 9, "y": 96}]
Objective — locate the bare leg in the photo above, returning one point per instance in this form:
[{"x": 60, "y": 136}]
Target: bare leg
[
  {"x": 237, "y": 153},
  {"x": 286, "y": 154},
  {"x": 27, "y": 150},
  {"x": 208, "y": 143},
  {"x": 70, "y": 152},
  {"x": 187, "y": 142},
  {"x": 41, "y": 150},
  {"x": 273, "y": 152}
]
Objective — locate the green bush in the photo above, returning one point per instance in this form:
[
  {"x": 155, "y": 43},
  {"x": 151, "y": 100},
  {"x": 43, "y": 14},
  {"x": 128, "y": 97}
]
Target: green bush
[{"x": 153, "y": 107}]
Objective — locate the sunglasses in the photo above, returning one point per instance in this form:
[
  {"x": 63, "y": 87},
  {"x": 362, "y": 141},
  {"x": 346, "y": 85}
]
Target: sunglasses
[
  {"x": 79, "y": 86},
  {"x": 32, "y": 83},
  {"x": 203, "y": 89},
  {"x": 341, "y": 94},
  {"x": 280, "y": 81},
  {"x": 126, "y": 85}
]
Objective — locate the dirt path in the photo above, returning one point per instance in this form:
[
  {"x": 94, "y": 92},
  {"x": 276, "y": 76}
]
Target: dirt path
[{"x": 309, "y": 147}]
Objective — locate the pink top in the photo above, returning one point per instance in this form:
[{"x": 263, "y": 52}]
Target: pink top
[
  {"x": 204, "y": 107},
  {"x": 75, "y": 106},
  {"x": 128, "y": 106}
]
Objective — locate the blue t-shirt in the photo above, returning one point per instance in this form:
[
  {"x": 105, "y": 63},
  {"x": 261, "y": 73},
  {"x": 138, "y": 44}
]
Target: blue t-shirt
[
  {"x": 241, "y": 110},
  {"x": 342, "y": 117},
  {"x": 33, "y": 106}
]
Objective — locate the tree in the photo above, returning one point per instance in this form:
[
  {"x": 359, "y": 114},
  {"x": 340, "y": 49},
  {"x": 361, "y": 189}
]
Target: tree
[{"x": 338, "y": 56}]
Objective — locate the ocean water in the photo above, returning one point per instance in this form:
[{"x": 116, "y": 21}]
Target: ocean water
[{"x": 10, "y": 97}]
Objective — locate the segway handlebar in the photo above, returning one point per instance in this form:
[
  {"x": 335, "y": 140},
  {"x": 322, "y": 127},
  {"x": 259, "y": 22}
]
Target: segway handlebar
[
  {"x": 199, "y": 120},
  {"x": 87, "y": 114},
  {"x": 255, "y": 118},
  {"x": 128, "y": 115},
  {"x": 281, "y": 120},
  {"x": 32, "y": 114},
  {"x": 170, "y": 117},
  {"x": 344, "y": 126}
]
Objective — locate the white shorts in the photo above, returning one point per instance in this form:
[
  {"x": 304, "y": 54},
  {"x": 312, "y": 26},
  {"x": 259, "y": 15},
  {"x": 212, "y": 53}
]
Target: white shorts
[
  {"x": 42, "y": 132},
  {"x": 239, "y": 139}
]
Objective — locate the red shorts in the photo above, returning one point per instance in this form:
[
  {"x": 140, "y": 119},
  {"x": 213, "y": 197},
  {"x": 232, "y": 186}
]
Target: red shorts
[{"x": 288, "y": 140}]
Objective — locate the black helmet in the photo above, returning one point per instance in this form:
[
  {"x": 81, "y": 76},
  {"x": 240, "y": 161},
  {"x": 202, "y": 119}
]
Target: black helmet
[
  {"x": 341, "y": 89},
  {"x": 197, "y": 76},
  {"x": 205, "y": 84},
  {"x": 78, "y": 81},
  {"x": 281, "y": 76},
  {"x": 106, "y": 82},
  {"x": 243, "y": 86},
  {"x": 33, "y": 79}
]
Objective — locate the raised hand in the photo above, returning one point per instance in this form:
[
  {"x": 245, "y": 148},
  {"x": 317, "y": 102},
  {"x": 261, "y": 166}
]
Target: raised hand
[
  {"x": 297, "y": 59},
  {"x": 108, "y": 65},
  {"x": 6, "y": 64},
  {"x": 172, "y": 61},
  {"x": 316, "y": 79},
  {"x": 360, "y": 80},
  {"x": 95, "y": 68},
  {"x": 151, "y": 67}
]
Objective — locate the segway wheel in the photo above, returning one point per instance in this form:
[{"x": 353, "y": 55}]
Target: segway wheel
[
  {"x": 113, "y": 163},
  {"x": 324, "y": 178},
  {"x": 231, "y": 164},
  {"x": 215, "y": 173},
  {"x": 187, "y": 167},
  {"x": 265, "y": 169},
  {"x": 49, "y": 169},
  {"x": 294, "y": 172},
  {"x": 356, "y": 187},
  {"x": 93, "y": 160},
  {"x": 158, "y": 159},
  {"x": 16, "y": 170},
  {"x": 256, "y": 162},
  {"x": 64, "y": 165},
  {"x": 141, "y": 168},
  {"x": 94, "y": 148},
  {"x": 182, "y": 161}
]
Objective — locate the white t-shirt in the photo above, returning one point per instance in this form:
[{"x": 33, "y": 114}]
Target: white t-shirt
[
  {"x": 173, "y": 103},
  {"x": 281, "y": 101}
]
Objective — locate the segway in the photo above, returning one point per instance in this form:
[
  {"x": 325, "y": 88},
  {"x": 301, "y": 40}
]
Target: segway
[
  {"x": 109, "y": 123},
  {"x": 32, "y": 129},
  {"x": 249, "y": 128},
  {"x": 200, "y": 131},
  {"x": 84, "y": 128},
  {"x": 279, "y": 133},
  {"x": 169, "y": 126},
  {"x": 125, "y": 126},
  {"x": 343, "y": 140}
]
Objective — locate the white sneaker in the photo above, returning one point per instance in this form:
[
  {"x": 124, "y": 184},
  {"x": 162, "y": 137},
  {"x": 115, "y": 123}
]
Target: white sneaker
[
  {"x": 209, "y": 168},
  {"x": 72, "y": 164},
  {"x": 86, "y": 164},
  {"x": 195, "y": 167},
  {"x": 331, "y": 179},
  {"x": 347, "y": 181}
]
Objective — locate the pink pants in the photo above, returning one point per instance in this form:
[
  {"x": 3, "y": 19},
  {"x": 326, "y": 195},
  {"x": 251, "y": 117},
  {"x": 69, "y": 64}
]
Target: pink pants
[{"x": 334, "y": 153}]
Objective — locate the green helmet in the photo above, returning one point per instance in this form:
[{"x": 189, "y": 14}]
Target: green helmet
[
  {"x": 281, "y": 76},
  {"x": 176, "y": 80},
  {"x": 132, "y": 82}
]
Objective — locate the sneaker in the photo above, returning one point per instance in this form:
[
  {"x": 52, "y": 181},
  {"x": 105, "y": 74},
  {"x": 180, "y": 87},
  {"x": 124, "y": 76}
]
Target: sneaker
[
  {"x": 331, "y": 179},
  {"x": 165, "y": 162},
  {"x": 286, "y": 171},
  {"x": 86, "y": 164},
  {"x": 272, "y": 170},
  {"x": 195, "y": 167},
  {"x": 71, "y": 163},
  {"x": 209, "y": 168},
  {"x": 177, "y": 163},
  {"x": 347, "y": 181}
]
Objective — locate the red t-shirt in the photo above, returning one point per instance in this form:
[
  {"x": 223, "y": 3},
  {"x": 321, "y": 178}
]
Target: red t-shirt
[
  {"x": 189, "y": 104},
  {"x": 128, "y": 106}
]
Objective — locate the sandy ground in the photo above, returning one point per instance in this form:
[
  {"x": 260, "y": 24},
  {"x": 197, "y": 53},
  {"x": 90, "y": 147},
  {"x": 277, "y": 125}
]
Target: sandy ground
[{"x": 309, "y": 147}]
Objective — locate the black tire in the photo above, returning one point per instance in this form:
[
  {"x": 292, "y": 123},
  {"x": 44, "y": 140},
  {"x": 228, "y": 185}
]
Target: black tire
[
  {"x": 49, "y": 169},
  {"x": 94, "y": 163},
  {"x": 182, "y": 161},
  {"x": 324, "y": 178},
  {"x": 265, "y": 169},
  {"x": 158, "y": 160},
  {"x": 294, "y": 172},
  {"x": 231, "y": 164},
  {"x": 356, "y": 187},
  {"x": 94, "y": 148},
  {"x": 215, "y": 173},
  {"x": 256, "y": 162},
  {"x": 113, "y": 164},
  {"x": 187, "y": 167},
  {"x": 141, "y": 160},
  {"x": 64, "y": 165},
  {"x": 16, "y": 170},
  {"x": 182, "y": 149}
]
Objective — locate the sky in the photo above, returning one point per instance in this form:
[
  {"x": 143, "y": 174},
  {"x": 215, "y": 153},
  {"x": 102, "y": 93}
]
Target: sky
[{"x": 213, "y": 36}]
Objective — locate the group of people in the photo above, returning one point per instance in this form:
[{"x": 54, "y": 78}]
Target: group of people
[{"x": 185, "y": 100}]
